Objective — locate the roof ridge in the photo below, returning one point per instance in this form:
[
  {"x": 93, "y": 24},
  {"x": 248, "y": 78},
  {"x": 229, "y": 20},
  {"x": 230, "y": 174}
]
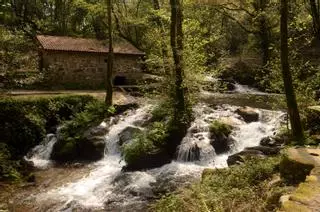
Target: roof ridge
[{"x": 78, "y": 44}]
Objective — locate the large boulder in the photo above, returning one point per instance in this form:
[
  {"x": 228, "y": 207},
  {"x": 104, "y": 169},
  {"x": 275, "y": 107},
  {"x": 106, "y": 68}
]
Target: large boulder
[
  {"x": 297, "y": 163},
  {"x": 240, "y": 157},
  {"x": 266, "y": 150},
  {"x": 272, "y": 141},
  {"x": 127, "y": 134},
  {"x": 248, "y": 114},
  {"x": 90, "y": 147},
  {"x": 149, "y": 160},
  {"x": 220, "y": 137}
]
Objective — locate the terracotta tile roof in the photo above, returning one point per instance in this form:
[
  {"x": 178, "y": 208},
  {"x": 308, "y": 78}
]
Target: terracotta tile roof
[{"x": 59, "y": 43}]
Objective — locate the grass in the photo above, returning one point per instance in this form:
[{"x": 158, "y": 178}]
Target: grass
[{"x": 246, "y": 187}]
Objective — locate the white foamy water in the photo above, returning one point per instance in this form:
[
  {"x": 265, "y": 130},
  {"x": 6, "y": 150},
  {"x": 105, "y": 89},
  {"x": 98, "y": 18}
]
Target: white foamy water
[
  {"x": 107, "y": 188},
  {"x": 40, "y": 155},
  {"x": 246, "y": 89},
  {"x": 244, "y": 134},
  {"x": 96, "y": 188}
]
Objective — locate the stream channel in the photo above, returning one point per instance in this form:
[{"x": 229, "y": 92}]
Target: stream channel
[{"x": 102, "y": 186}]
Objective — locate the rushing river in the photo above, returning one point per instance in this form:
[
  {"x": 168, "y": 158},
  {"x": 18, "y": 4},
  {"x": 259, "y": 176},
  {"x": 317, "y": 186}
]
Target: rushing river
[{"x": 106, "y": 188}]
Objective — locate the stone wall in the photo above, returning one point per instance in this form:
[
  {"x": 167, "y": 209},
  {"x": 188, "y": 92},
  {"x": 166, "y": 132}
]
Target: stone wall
[{"x": 86, "y": 70}]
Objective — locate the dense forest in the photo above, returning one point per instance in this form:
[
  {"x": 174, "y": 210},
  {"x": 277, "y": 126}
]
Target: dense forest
[{"x": 230, "y": 88}]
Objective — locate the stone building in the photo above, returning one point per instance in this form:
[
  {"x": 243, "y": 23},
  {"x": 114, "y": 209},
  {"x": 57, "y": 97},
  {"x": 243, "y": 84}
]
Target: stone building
[{"x": 82, "y": 63}]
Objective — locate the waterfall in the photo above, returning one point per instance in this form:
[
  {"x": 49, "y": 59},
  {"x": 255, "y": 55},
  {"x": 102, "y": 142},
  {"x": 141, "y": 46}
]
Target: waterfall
[
  {"x": 96, "y": 188},
  {"x": 40, "y": 154},
  {"x": 107, "y": 188},
  {"x": 244, "y": 134}
]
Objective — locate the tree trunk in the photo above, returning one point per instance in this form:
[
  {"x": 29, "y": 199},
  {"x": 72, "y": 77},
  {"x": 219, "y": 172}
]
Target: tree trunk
[
  {"x": 264, "y": 30},
  {"x": 315, "y": 18},
  {"x": 176, "y": 38},
  {"x": 109, "y": 86},
  {"x": 156, "y": 6},
  {"x": 293, "y": 111}
]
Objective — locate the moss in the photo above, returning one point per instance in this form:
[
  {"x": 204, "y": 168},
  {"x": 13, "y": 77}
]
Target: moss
[
  {"x": 294, "y": 206},
  {"x": 218, "y": 128},
  {"x": 153, "y": 139}
]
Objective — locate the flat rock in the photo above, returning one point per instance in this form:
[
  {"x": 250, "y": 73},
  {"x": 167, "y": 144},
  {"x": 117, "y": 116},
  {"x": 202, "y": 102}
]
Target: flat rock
[
  {"x": 298, "y": 163},
  {"x": 248, "y": 114}
]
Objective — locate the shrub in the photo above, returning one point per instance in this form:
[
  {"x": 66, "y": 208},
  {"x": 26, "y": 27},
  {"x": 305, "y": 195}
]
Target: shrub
[
  {"x": 71, "y": 134},
  {"x": 25, "y": 122},
  {"x": 239, "y": 188},
  {"x": 8, "y": 168},
  {"x": 148, "y": 141}
]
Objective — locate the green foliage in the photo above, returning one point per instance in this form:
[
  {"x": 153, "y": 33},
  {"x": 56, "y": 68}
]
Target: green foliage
[
  {"x": 8, "y": 168},
  {"x": 218, "y": 128},
  {"x": 72, "y": 131},
  {"x": 137, "y": 149},
  {"x": 25, "y": 122},
  {"x": 148, "y": 141},
  {"x": 239, "y": 188},
  {"x": 92, "y": 114},
  {"x": 162, "y": 111}
]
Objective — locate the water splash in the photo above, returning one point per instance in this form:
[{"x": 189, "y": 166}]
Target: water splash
[
  {"x": 107, "y": 188},
  {"x": 96, "y": 188},
  {"x": 244, "y": 134},
  {"x": 39, "y": 156},
  {"x": 246, "y": 89}
]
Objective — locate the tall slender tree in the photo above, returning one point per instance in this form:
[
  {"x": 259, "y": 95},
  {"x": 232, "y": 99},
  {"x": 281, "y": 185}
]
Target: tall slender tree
[
  {"x": 315, "y": 13},
  {"x": 293, "y": 111},
  {"x": 109, "y": 86},
  {"x": 156, "y": 6},
  {"x": 176, "y": 39}
]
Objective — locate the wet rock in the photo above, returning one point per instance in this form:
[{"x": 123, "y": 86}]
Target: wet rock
[
  {"x": 192, "y": 153},
  {"x": 222, "y": 143},
  {"x": 240, "y": 157},
  {"x": 271, "y": 141},
  {"x": 97, "y": 131},
  {"x": 265, "y": 149},
  {"x": 127, "y": 134},
  {"x": 248, "y": 114},
  {"x": 143, "y": 122},
  {"x": 231, "y": 121},
  {"x": 220, "y": 136},
  {"x": 26, "y": 164},
  {"x": 92, "y": 148},
  {"x": 149, "y": 160}
]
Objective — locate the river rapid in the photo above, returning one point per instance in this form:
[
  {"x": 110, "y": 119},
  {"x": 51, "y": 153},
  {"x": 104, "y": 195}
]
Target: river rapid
[{"x": 102, "y": 186}]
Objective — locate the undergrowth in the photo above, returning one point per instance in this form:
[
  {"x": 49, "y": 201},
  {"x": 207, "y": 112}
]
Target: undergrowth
[{"x": 245, "y": 187}]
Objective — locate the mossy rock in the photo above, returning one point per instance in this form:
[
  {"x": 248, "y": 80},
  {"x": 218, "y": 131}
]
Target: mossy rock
[
  {"x": 219, "y": 134},
  {"x": 218, "y": 128},
  {"x": 305, "y": 198},
  {"x": 296, "y": 164}
]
